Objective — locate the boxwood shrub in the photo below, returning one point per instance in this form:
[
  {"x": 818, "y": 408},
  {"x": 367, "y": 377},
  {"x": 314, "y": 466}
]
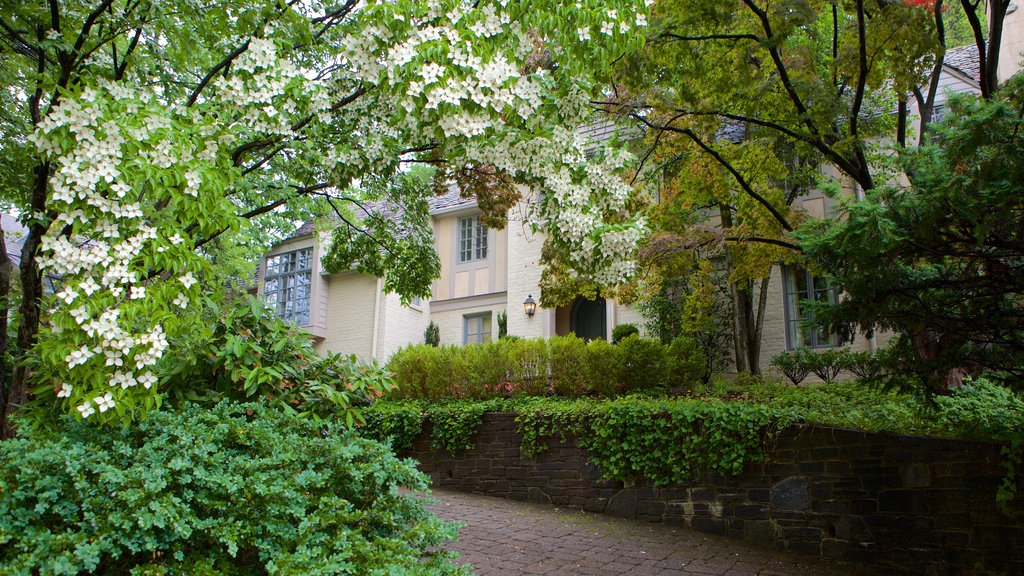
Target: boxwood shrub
[{"x": 238, "y": 489}]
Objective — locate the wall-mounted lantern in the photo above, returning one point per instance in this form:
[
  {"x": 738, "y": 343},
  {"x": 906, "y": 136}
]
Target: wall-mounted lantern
[{"x": 529, "y": 306}]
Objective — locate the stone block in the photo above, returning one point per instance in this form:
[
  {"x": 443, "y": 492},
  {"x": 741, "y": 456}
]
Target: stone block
[
  {"x": 537, "y": 496},
  {"x": 710, "y": 525},
  {"x": 916, "y": 475},
  {"x": 853, "y": 528},
  {"x": 791, "y": 494},
  {"x": 595, "y": 504},
  {"x": 760, "y": 532},
  {"x": 622, "y": 504}
]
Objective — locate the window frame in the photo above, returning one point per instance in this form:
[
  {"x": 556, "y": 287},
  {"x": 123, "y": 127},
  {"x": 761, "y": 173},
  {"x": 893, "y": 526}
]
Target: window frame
[
  {"x": 473, "y": 246},
  {"x": 289, "y": 266},
  {"x": 792, "y": 294},
  {"x": 482, "y": 337}
]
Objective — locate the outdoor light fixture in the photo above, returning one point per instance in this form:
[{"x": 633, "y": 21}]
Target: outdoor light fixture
[{"x": 529, "y": 306}]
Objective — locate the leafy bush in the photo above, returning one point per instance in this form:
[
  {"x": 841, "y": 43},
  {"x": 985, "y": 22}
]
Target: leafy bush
[
  {"x": 563, "y": 365},
  {"x": 623, "y": 331},
  {"x": 394, "y": 422},
  {"x": 567, "y": 366},
  {"x": 603, "y": 368},
  {"x": 864, "y": 365},
  {"x": 643, "y": 364},
  {"x": 685, "y": 363},
  {"x": 432, "y": 335},
  {"x": 251, "y": 353},
  {"x": 793, "y": 364},
  {"x": 239, "y": 489},
  {"x": 827, "y": 364},
  {"x": 980, "y": 409},
  {"x": 665, "y": 441}
]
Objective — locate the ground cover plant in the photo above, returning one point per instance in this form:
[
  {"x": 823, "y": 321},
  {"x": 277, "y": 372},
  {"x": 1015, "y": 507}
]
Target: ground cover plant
[
  {"x": 721, "y": 428},
  {"x": 244, "y": 489}
]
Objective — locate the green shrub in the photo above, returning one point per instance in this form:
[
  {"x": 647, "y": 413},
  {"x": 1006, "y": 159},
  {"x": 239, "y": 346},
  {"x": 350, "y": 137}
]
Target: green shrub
[
  {"x": 793, "y": 364},
  {"x": 827, "y": 364},
  {"x": 432, "y": 335},
  {"x": 864, "y": 365},
  {"x": 393, "y": 422},
  {"x": 239, "y": 489},
  {"x": 528, "y": 366},
  {"x": 603, "y": 368},
  {"x": 250, "y": 353},
  {"x": 643, "y": 364},
  {"x": 685, "y": 363},
  {"x": 411, "y": 368},
  {"x": 567, "y": 365},
  {"x": 665, "y": 441},
  {"x": 623, "y": 331},
  {"x": 980, "y": 409}
]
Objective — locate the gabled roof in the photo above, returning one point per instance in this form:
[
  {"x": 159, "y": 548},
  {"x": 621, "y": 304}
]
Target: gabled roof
[{"x": 964, "y": 59}]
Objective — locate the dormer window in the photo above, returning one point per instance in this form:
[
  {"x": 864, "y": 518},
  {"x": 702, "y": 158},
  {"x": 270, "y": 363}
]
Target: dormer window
[
  {"x": 472, "y": 239},
  {"x": 287, "y": 285}
]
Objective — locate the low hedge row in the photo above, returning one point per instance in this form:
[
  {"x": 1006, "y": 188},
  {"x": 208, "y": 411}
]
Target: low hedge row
[{"x": 563, "y": 366}]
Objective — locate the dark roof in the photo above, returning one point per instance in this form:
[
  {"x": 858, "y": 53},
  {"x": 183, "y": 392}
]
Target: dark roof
[
  {"x": 964, "y": 59},
  {"x": 393, "y": 212}
]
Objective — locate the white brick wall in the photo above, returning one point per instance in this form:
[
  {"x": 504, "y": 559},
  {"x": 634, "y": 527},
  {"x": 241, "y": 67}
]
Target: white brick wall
[
  {"x": 400, "y": 325},
  {"x": 523, "y": 279},
  {"x": 351, "y": 299},
  {"x": 450, "y": 323}
]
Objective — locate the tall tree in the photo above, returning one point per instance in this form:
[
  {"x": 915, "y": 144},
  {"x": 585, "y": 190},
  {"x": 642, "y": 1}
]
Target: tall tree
[
  {"x": 141, "y": 131},
  {"x": 941, "y": 261},
  {"x": 763, "y": 94}
]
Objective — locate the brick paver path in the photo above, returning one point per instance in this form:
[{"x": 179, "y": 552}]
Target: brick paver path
[{"x": 506, "y": 538}]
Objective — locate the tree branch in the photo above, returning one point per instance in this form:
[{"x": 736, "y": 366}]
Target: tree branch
[{"x": 747, "y": 188}]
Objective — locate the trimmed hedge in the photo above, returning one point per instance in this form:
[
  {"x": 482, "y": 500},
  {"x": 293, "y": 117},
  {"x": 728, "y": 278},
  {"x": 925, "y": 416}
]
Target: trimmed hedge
[{"x": 562, "y": 365}]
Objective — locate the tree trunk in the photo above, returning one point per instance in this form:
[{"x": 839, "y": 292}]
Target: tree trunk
[
  {"x": 31, "y": 293},
  {"x": 5, "y": 380}
]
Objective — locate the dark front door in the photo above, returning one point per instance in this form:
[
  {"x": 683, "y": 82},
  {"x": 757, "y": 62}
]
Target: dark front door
[{"x": 587, "y": 319}]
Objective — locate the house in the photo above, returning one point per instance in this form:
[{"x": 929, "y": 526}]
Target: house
[
  {"x": 484, "y": 272},
  {"x": 782, "y": 329}
]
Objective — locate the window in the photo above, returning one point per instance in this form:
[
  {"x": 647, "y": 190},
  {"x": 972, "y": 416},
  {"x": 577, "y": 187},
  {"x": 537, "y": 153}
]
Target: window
[
  {"x": 286, "y": 286},
  {"x": 472, "y": 239},
  {"x": 800, "y": 286},
  {"x": 476, "y": 328}
]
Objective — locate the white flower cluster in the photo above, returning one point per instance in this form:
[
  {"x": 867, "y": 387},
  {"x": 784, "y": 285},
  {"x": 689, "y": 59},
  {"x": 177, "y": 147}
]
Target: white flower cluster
[{"x": 96, "y": 240}]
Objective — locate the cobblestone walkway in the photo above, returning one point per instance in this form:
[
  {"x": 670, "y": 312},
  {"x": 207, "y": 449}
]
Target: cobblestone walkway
[{"x": 507, "y": 538}]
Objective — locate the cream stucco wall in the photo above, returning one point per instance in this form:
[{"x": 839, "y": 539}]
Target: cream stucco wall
[{"x": 473, "y": 278}]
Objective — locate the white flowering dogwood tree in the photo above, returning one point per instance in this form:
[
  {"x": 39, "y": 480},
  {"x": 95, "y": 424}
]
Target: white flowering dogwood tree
[{"x": 138, "y": 131}]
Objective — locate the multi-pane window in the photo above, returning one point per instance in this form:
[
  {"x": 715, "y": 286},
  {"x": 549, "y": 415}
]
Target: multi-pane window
[
  {"x": 472, "y": 239},
  {"x": 476, "y": 328},
  {"x": 801, "y": 287},
  {"x": 287, "y": 285}
]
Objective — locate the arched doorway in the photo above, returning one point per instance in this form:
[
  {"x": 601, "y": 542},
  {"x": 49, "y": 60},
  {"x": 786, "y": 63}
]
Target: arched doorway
[{"x": 587, "y": 319}]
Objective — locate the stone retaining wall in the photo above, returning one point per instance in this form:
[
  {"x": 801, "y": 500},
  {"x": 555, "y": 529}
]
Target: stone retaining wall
[{"x": 914, "y": 505}]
